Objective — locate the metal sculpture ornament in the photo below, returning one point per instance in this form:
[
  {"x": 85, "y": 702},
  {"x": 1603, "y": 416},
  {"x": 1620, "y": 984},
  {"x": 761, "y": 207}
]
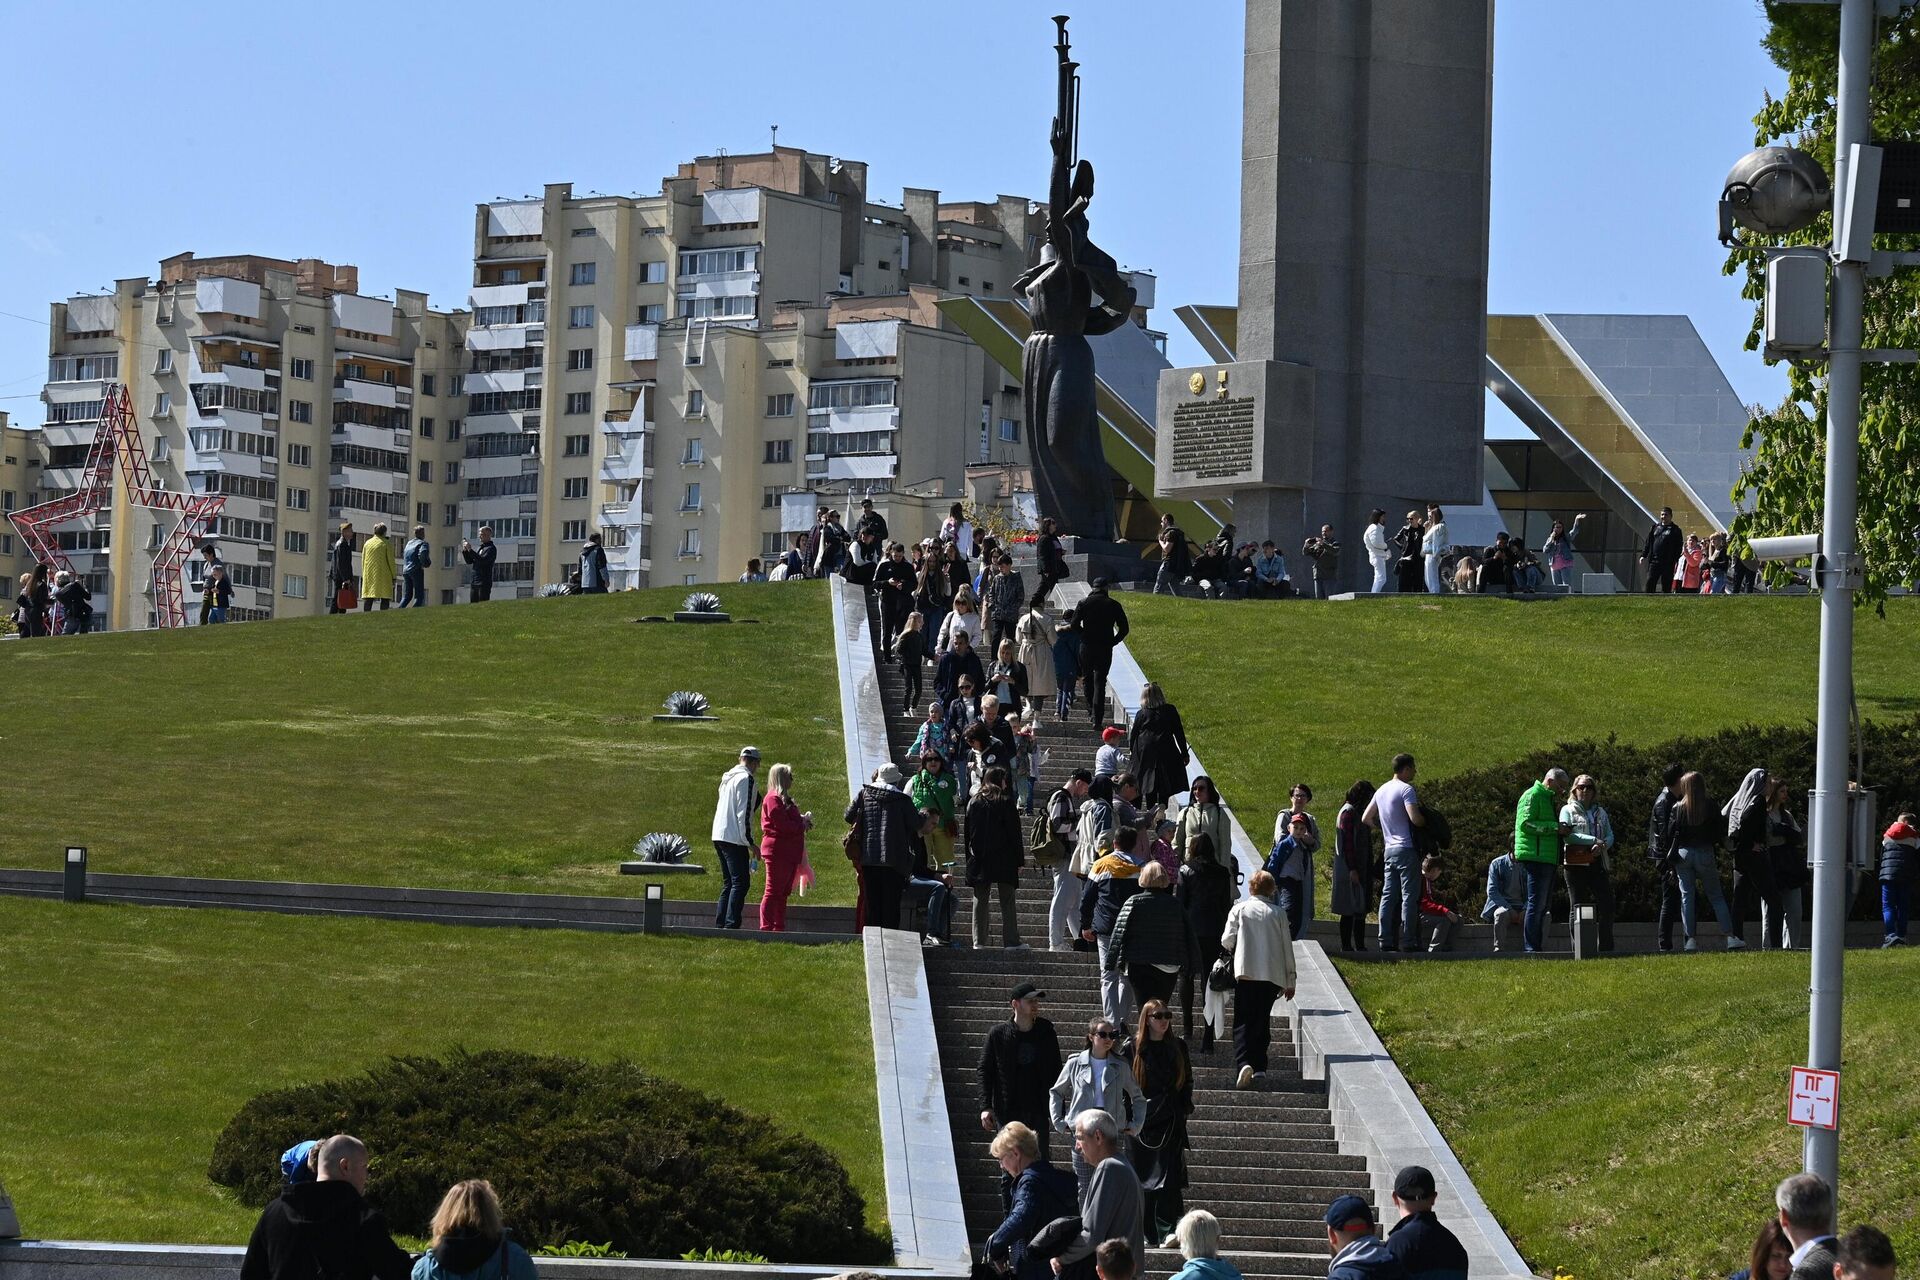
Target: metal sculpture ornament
[{"x": 1075, "y": 291}]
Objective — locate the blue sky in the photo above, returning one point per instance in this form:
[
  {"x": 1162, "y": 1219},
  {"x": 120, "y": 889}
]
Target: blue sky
[{"x": 153, "y": 129}]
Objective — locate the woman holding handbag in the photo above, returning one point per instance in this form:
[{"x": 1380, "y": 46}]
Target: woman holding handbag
[
  {"x": 1164, "y": 1071},
  {"x": 783, "y": 846},
  {"x": 1261, "y": 949},
  {"x": 340, "y": 572}
]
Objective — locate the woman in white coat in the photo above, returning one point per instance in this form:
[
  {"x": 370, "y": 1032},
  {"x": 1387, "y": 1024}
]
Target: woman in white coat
[
  {"x": 1433, "y": 545},
  {"x": 1034, "y": 635},
  {"x": 1262, "y": 952}
]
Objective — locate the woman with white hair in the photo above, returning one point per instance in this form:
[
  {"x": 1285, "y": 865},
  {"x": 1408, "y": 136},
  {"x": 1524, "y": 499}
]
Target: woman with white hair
[
  {"x": 1198, "y": 1237},
  {"x": 783, "y": 846}
]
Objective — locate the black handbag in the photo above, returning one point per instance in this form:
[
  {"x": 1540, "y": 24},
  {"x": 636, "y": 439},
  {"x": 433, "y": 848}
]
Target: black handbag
[
  {"x": 1220, "y": 977},
  {"x": 1055, "y": 1238}
]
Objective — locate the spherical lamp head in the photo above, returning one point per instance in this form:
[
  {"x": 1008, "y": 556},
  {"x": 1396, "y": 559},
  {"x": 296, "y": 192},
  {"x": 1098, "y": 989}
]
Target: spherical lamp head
[{"x": 1776, "y": 191}]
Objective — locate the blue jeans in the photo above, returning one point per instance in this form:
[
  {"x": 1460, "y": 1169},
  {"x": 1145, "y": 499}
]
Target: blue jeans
[
  {"x": 216, "y": 614},
  {"x": 1539, "y": 896},
  {"x": 734, "y": 864},
  {"x": 1695, "y": 873},
  {"x": 413, "y": 589},
  {"x": 1293, "y": 905},
  {"x": 1400, "y": 901},
  {"x": 1894, "y": 899},
  {"x": 940, "y": 904}
]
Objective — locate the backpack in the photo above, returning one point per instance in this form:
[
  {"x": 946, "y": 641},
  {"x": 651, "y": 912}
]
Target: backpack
[{"x": 1044, "y": 844}]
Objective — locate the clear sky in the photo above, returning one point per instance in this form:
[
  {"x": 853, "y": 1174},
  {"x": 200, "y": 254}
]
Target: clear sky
[{"x": 365, "y": 133}]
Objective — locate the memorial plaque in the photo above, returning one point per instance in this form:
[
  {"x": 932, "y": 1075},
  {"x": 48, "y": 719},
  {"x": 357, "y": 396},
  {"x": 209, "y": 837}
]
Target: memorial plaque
[{"x": 1226, "y": 427}]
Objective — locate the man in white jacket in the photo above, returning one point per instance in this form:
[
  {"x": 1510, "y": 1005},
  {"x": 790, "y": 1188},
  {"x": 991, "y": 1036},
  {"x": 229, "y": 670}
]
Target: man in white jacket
[
  {"x": 733, "y": 837},
  {"x": 1378, "y": 553}
]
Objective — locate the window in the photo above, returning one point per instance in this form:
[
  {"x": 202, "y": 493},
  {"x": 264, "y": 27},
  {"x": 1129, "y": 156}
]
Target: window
[
  {"x": 770, "y": 546},
  {"x": 653, "y": 273},
  {"x": 582, "y": 273},
  {"x": 579, "y": 402},
  {"x": 294, "y": 586},
  {"x": 573, "y": 531},
  {"x": 423, "y": 513},
  {"x": 884, "y": 265},
  {"x": 696, "y": 451},
  {"x": 770, "y": 496},
  {"x": 707, "y": 262},
  {"x": 573, "y": 487},
  {"x": 779, "y": 451},
  {"x": 162, "y": 450},
  {"x": 302, "y": 369},
  {"x": 163, "y": 360},
  {"x": 449, "y": 515},
  {"x": 299, "y": 455},
  {"x": 501, "y": 402},
  {"x": 850, "y": 395},
  {"x": 426, "y": 384},
  {"x": 843, "y": 444},
  {"x": 689, "y": 542},
  {"x": 580, "y": 358},
  {"x": 579, "y": 317},
  {"x": 426, "y": 428},
  {"x": 446, "y": 555},
  {"x": 986, "y": 286},
  {"x": 1009, "y": 430},
  {"x": 578, "y": 446},
  {"x": 296, "y": 543},
  {"x": 696, "y": 403},
  {"x": 162, "y": 404},
  {"x": 453, "y": 428},
  {"x": 780, "y": 406},
  {"x": 693, "y": 308},
  {"x": 83, "y": 368},
  {"x": 298, "y": 499},
  {"x": 426, "y": 473},
  {"x": 446, "y": 594},
  {"x": 690, "y": 500},
  {"x": 964, "y": 282},
  {"x": 300, "y": 410},
  {"x": 453, "y": 473},
  {"x": 581, "y": 231},
  {"x": 652, "y": 313}
]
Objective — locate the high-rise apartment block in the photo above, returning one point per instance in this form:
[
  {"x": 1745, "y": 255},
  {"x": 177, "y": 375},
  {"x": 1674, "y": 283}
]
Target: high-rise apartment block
[
  {"x": 689, "y": 366},
  {"x": 276, "y": 384},
  {"x": 686, "y": 374}
]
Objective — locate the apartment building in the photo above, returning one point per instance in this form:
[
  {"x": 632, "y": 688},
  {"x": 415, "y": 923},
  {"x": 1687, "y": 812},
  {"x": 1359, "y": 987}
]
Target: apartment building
[
  {"x": 685, "y": 372},
  {"x": 20, "y": 462},
  {"x": 275, "y": 383}
]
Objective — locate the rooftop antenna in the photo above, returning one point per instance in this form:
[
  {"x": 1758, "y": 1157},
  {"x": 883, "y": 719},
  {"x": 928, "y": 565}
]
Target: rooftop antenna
[{"x": 776, "y": 137}]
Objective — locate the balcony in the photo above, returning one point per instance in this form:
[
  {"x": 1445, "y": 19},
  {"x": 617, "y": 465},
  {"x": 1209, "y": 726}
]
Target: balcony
[
  {"x": 625, "y": 426},
  {"x": 379, "y": 394}
]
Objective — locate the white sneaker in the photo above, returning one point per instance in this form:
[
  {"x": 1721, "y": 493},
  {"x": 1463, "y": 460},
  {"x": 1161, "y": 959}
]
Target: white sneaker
[
  {"x": 1736, "y": 944},
  {"x": 1246, "y": 1079},
  {"x": 1691, "y": 945}
]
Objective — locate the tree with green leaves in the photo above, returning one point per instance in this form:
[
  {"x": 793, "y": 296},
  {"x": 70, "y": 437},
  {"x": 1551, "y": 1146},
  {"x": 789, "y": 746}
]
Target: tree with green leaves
[{"x": 1783, "y": 489}]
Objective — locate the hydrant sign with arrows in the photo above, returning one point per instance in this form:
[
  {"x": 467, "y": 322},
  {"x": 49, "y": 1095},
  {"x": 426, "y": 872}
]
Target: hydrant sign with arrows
[{"x": 1813, "y": 1098}]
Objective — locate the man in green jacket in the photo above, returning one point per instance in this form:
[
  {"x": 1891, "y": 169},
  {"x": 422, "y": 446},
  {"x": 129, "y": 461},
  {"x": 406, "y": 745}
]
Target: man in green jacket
[{"x": 1537, "y": 831}]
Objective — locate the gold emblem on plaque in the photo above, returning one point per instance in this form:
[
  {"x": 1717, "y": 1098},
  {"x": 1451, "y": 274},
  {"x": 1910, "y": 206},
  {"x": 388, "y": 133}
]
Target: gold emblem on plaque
[
  {"x": 1197, "y": 384},
  {"x": 1223, "y": 384}
]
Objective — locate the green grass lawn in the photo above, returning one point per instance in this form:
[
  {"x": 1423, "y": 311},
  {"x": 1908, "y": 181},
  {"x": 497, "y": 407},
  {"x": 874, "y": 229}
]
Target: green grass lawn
[
  {"x": 1327, "y": 692},
  {"x": 510, "y": 747},
  {"x": 1626, "y": 1119},
  {"x": 132, "y": 1035}
]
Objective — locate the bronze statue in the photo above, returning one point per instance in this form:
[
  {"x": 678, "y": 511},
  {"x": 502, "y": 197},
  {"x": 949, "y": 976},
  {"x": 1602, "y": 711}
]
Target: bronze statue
[{"x": 1070, "y": 471}]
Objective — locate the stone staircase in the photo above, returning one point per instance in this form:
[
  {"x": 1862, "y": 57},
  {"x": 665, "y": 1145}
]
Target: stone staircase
[{"x": 1264, "y": 1161}]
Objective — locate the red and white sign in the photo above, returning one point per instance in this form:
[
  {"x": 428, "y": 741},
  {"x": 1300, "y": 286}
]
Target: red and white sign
[{"x": 1813, "y": 1098}]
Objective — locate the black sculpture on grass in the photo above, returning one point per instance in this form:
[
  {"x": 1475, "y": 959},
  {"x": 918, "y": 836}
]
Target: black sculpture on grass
[{"x": 1070, "y": 473}]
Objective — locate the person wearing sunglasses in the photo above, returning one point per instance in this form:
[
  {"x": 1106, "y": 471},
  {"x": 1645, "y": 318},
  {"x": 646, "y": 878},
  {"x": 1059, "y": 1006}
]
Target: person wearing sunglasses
[
  {"x": 1096, "y": 1079},
  {"x": 1159, "y": 1154},
  {"x": 1589, "y": 848}
]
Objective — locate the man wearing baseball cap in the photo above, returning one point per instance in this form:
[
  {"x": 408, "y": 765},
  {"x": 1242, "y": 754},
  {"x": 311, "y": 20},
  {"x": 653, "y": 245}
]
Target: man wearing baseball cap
[
  {"x": 1018, "y": 1065},
  {"x": 733, "y": 837},
  {"x": 1426, "y": 1249},
  {"x": 1358, "y": 1254}
]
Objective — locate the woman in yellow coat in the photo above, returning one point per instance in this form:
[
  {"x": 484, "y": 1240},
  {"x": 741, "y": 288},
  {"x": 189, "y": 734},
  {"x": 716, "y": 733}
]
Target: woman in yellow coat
[{"x": 377, "y": 570}]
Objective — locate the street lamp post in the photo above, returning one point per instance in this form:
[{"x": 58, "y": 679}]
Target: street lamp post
[{"x": 1838, "y": 570}]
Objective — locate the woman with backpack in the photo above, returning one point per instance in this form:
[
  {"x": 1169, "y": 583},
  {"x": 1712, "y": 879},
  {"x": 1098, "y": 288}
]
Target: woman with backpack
[
  {"x": 994, "y": 858},
  {"x": 470, "y": 1241}
]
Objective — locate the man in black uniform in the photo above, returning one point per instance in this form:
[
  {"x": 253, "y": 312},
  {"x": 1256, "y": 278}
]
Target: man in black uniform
[{"x": 1101, "y": 624}]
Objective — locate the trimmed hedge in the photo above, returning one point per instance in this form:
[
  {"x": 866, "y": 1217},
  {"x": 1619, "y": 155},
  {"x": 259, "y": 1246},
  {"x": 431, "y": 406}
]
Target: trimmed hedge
[
  {"x": 1480, "y": 804},
  {"x": 577, "y": 1151}
]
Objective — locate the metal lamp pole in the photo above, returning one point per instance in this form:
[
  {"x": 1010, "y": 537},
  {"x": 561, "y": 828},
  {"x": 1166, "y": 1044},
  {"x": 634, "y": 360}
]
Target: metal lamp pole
[{"x": 1838, "y": 574}]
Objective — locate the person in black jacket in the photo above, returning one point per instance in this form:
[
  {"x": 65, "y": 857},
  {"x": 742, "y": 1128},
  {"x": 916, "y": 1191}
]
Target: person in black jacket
[
  {"x": 995, "y": 854},
  {"x": 1420, "y": 1242},
  {"x": 1153, "y": 939},
  {"x": 1041, "y": 1195},
  {"x": 481, "y": 558},
  {"x": 1018, "y": 1065},
  {"x": 893, "y": 578},
  {"x": 593, "y": 566},
  {"x": 1101, "y": 624},
  {"x": 339, "y": 567},
  {"x": 76, "y": 604},
  {"x": 325, "y": 1230},
  {"x": 870, "y": 521},
  {"x": 1052, "y": 560},
  {"x": 1660, "y": 849},
  {"x": 1662, "y": 552}
]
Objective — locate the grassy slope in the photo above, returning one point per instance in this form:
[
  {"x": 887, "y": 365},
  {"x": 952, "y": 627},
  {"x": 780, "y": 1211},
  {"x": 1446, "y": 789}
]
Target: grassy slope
[
  {"x": 509, "y": 747},
  {"x": 1327, "y": 692},
  {"x": 1627, "y": 1119},
  {"x": 132, "y": 1035}
]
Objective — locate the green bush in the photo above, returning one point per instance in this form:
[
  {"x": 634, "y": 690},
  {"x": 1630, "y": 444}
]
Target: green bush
[
  {"x": 1480, "y": 804},
  {"x": 577, "y": 1151}
]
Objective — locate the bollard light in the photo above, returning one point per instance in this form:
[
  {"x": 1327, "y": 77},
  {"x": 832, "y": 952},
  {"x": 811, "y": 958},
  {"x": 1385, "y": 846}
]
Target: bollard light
[
  {"x": 653, "y": 914},
  {"x": 75, "y": 889}
]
